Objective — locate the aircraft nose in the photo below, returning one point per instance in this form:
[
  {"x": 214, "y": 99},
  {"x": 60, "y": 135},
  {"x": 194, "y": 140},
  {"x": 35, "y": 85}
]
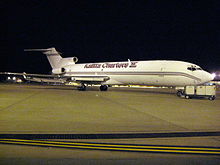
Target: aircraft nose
[
  {"x": 207, "y": 77},
  {"x": 213, "y": 75}
]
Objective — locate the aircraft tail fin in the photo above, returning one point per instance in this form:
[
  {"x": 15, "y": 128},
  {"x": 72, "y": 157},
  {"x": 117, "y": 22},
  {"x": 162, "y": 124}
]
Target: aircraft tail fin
[{"x": 53, "y": 56}]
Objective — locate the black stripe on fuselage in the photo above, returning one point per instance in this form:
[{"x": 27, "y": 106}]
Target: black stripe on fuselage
[{"x": 132, "y": 73}]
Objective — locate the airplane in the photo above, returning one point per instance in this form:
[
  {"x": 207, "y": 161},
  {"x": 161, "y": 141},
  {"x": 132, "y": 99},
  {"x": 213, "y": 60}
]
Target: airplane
[{"x": 168, "y": 73}]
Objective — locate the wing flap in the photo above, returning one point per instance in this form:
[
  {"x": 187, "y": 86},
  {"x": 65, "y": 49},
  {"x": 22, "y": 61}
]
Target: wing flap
[{"x": 46, "y": 80}]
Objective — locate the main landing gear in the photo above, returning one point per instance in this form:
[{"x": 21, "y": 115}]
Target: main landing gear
[
  {"x": 103, "y": 88},
  {"x": 82, "y": 88},
  {"x": 179, "y": 93}
]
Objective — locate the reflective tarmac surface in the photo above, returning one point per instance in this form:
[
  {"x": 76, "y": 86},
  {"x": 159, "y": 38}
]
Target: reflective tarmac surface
[{"x": 31, "y": 109}]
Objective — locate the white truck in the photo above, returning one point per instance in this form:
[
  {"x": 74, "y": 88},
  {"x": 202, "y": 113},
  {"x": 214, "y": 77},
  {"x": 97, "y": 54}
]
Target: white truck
[{"x": 208, "y": 91}]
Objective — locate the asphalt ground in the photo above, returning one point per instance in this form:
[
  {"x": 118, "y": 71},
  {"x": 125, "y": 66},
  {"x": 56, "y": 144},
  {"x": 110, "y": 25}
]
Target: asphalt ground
[{"x": 31, "y": 109}]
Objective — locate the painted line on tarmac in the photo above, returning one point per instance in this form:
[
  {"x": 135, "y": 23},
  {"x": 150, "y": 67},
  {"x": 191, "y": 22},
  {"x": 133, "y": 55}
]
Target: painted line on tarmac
[
  {"x": 109, "y": 136},
  {"x": 116, "y": 147}
]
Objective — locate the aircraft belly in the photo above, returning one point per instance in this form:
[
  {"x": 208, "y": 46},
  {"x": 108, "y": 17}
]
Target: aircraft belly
[{"x": 177, "y": 81}]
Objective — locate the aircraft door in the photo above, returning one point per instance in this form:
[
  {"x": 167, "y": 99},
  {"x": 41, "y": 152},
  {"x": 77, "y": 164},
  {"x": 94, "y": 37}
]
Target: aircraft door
[{"x": 160, "y": 76}]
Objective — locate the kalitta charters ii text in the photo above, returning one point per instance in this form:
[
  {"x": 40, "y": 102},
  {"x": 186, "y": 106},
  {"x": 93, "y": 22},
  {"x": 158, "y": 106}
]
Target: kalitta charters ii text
[{"x": 112, "y": 65}]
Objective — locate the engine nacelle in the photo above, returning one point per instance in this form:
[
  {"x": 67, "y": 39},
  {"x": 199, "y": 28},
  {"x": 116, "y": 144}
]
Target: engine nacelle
[
  {"x": 59, "y": 71},
  {"x": 75, "y": 59},
  {"x": 63, "y": 63},
  {"x": 68, "y": 61}
]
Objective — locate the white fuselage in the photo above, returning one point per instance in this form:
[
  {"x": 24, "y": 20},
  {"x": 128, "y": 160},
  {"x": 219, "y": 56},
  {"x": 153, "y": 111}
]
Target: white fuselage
[{"x": 156, "y": 73}]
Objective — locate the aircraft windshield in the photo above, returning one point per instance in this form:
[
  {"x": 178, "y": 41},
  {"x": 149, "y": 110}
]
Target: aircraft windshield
[{"x": 193, "y": 68}]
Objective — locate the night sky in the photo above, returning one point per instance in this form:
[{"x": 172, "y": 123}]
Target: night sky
[{"x": 99, "y": 31}]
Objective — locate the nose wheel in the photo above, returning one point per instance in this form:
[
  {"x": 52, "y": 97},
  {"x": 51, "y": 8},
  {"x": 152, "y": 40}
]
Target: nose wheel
[{"x": 103, "y": 88}]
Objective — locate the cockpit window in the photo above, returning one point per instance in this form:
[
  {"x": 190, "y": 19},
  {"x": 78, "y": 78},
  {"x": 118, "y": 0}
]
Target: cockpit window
[{"x": 193, "y": 68}]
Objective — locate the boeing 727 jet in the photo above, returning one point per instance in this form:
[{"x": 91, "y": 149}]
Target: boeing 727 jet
[{"x": 105, "y": 74}]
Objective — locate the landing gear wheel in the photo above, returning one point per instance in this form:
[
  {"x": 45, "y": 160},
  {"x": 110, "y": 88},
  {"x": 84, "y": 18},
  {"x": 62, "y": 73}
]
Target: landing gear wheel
[
  {"x": 179, "y": 93},
  {"x": 103, "y": 88},
  {"x": 211, "y": 98},
  {"x": 187, "y": 97},
  {"x": 82, "y": 88}
]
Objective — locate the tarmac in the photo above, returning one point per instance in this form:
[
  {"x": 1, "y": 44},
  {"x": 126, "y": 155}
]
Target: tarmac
[{"x": 35, "y": 109}]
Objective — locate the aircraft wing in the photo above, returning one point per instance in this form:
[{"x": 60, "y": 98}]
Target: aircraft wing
[
  {"x": 27, "y": 74},
  {"x": 47, "y": 78},
  {"x": 77, "y": 79}
]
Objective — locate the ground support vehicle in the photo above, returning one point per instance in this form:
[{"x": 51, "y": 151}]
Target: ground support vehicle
[{"x": 202, "y": 91}]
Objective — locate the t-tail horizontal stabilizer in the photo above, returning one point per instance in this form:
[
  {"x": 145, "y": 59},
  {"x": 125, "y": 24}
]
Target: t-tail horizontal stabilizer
[{"x": 52, "y": 55}]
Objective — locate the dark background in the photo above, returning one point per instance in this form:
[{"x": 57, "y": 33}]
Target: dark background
[{"x": 99, "y": 31}]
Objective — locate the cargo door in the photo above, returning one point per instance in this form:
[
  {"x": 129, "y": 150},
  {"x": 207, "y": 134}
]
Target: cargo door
[{"x": 160, "y": 77}]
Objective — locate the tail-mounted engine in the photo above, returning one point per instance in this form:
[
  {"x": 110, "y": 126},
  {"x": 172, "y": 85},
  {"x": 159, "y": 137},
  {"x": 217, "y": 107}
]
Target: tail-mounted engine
[
  {"x": 68, "y": 61},
  {"x": 59, "y": 71},
  {"x": 63, "y": 63},
  {"x": 75, "y": 59}
]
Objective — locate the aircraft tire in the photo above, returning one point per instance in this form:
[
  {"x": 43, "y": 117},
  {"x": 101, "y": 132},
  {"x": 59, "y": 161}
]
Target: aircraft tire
[
  {"x": 187, "y": 97},
  {"x": 179, "y": 93},
  {"x": 103, "y": 88},
  {"x": 82, "y": 88},
  {"x": 211, "y": 98}
]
